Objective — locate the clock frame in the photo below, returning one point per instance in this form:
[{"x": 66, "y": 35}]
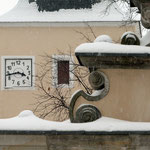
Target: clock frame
[{"x": 17, "y": 72}]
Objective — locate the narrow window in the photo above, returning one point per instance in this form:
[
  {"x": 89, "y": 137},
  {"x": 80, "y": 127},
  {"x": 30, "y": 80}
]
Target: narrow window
[{"x": 63, "y": 72}]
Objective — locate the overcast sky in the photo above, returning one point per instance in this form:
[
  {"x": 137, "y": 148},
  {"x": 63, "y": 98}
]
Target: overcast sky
[{"x": 6, "y": 5}]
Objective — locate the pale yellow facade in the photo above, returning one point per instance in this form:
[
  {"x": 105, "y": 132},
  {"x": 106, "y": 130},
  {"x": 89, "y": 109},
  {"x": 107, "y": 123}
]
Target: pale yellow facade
[
  {"x": 128, "y": 96},
  {"x": 35, "y": 39}
]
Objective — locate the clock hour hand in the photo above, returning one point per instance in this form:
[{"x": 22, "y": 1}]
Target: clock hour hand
[{"x": 22, "y": 74}]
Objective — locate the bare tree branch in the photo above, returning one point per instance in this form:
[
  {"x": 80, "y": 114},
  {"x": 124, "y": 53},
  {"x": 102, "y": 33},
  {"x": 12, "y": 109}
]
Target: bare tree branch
[{"x": 51, "y": 99}]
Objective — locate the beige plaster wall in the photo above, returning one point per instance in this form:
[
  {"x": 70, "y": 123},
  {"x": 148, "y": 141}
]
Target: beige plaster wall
[
  {"x": 35, "y": 41},
  {"x": 128, "y": 97}
]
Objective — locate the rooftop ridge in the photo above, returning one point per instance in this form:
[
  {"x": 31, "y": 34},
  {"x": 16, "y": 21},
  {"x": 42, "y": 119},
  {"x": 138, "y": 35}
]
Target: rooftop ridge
[{"x": 25, "y": 12}]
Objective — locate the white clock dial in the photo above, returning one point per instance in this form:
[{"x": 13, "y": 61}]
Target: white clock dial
[{"x": 18, "y": 72}]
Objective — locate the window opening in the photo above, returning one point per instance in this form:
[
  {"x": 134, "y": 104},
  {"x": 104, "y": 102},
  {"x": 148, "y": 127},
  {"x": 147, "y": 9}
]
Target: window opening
[{"x": 63, "y": 72}]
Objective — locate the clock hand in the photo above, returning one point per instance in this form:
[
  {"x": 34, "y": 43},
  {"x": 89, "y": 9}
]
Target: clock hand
[
  {"x": 22, "y": 74},
  {"x": 9, "y": 74}
]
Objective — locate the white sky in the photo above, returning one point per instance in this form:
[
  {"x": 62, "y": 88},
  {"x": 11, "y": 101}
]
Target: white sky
[{"x": 6, "y": 5}]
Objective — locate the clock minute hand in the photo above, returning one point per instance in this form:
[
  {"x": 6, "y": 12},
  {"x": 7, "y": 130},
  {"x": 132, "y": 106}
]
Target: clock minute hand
[{"x": 9, "y": 74}]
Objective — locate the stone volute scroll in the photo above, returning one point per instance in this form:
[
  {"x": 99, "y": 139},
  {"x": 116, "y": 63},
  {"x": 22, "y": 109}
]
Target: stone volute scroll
[
  {"x": 89, "y": 112},
  {"x": 96, "y": 80},
  {"x": 100, "y": 83},
  {"x": 130, "y": 38},
  {"x": 144, "y": 9},
  {"x": 116, "y": 73}
]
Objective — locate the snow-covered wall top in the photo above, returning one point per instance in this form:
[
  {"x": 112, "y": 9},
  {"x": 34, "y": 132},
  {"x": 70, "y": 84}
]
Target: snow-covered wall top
[
  {"x": 106, "y": 47},
  {"x": 25, "y": 12},
  {"x": 27, "y": 121}
]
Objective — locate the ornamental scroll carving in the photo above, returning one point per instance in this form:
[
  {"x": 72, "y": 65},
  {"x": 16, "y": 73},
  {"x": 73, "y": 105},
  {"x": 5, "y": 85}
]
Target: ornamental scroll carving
[
  {"x": 144, "y": 9},
  {"x": 87, "y": 112}
]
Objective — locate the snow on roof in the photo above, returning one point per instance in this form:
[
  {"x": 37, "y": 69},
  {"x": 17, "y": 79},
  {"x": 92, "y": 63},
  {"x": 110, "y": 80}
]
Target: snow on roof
[
  {"x": 25, "y": 12},
  {"x": 106, "y": 47},
  {"x": 27, "y": 121}
]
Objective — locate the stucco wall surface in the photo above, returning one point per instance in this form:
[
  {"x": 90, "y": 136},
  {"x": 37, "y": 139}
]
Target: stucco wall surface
[
  {"x": 35, "y": 41},
  {"x": 128, "y": 96}
]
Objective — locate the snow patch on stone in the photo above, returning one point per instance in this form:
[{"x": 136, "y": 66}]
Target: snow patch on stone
[
  {"x": 26, "y": 113},
  {"x": 97, "y": 92},
  {"x": 146, "y": 39},
  {"x": 128, "y": 34},
  {"x": 105, "y": 47},
  {"x": 103, "y": 38}
]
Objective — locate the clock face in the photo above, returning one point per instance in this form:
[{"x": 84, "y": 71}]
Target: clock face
[{"x": 18, "y": 72}]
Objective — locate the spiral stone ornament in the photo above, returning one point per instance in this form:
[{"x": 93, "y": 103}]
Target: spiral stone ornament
[
  {"x": 129, "y": 38},
  {"x": 87, "y": 113},
  {"x": 96, "y": 80}
]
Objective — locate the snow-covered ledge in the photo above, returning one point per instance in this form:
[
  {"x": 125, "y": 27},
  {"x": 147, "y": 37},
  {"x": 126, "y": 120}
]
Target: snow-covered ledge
[
  {"x": 27, "y": 123},
  {"x": 28, "y": 132},
  {"x": 109, "y": 55},
  {"x": 122, "y": 75}
]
